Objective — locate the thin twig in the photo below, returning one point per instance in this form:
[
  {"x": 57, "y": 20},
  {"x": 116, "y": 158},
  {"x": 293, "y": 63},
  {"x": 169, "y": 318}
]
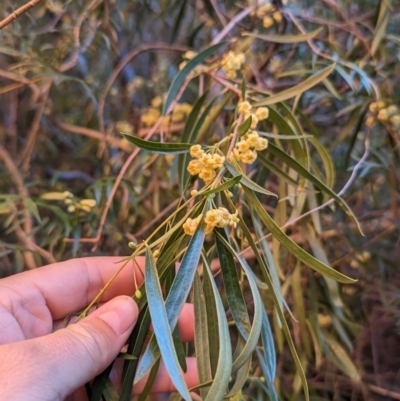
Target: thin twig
[
  {"x": 71, "y": 62},
  {"x": 18, "y": 12},
  {"x": 26, "y": 152},
  {"x": 112, "y": 141},
  {"x": 234, "y": 21}
]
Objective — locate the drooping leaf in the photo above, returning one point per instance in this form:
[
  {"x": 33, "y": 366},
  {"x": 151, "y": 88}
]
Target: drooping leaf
[
  {"x": 182, "y": 75},
  {"x": 291, "y": 246},
  {"x": 159, "y": 147},
  {"x": 286, "y": 38},
  {"x": 295, "y": 165},
  {"x": 221, "y": 379},
  {"x": 226, "y": 185},
  {"x": 298, "y": 89},
  {"x": 161, "y": 326},
  {"x": 252, "y": 335},
  {"x": 245, "y": 126},
  {"x": 201, "y": 335},
  {"x": 135, "y": 345},
  {"x": 232, "y": 287},
  {"x": 247, "y": 181},
  {"x": 212, "y": 324},
  {"x": 381, "y": 25}
]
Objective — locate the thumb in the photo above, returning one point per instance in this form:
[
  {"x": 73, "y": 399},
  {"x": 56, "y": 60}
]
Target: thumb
[{"x": 59, "y": 363}]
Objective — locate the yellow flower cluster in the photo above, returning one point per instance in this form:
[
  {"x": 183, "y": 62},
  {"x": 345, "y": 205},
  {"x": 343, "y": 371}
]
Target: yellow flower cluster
[
  {"x": 152, "y": 114},
  {"x": 204, "y": 164},
  {"x": 231, "y": 62},
  {"x": 214, "y": 218},
  {"x": 261, "y": 113},
  {"x": 84, "y": 205},
  {"x": 245, "y": 149},
  {"x": 180, "y": 112},
  {"x": 382, "y": 113},
  {"x": 125, "y": 127},
  {"x": 269, "y": 14}
]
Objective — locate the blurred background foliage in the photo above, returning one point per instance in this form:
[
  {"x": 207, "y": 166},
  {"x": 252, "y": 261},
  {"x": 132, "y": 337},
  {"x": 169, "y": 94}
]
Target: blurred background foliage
[{"x": 75, "y": 73}]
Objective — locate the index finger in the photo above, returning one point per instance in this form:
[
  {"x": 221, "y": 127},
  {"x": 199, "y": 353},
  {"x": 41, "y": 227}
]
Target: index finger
[{"x": 69, "y": 286}]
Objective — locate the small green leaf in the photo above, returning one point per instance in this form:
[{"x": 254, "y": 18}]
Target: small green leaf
[
  {"x": 159, "y": 147},
  {"x": 161, "y": 326},
  {"x": 286, "y": 38},
  {"x": 226, "y": 185},
  {"x": 245, "y": 126},
  {"x": 31, "y": 206},
  {"x": 246, "y": 181},
  {"x": 298, "y": 89},
  {"x": 243, "y": 88},
  {"x": 180, "y": 78}
]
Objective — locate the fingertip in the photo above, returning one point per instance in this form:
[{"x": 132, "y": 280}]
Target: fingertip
[{"x": 121, "y": 313}]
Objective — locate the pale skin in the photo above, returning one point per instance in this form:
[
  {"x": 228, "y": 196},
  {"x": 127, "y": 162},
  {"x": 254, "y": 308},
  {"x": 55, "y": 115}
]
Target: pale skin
[{"x": 39, "y": 364}]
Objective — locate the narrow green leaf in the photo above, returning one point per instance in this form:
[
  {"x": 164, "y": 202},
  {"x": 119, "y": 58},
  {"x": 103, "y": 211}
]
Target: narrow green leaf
[
  {"x": 292, "y": 163},
  {"x": 31, "y": 206},
  {"x": 243, "y": 88},
  {"x": 242, "y": 376},
  {"x": 286, "y": 38},
  {"x": 180, "y": 78},
  {"x": 150, "y": 381},
  {"x": 251, "y": 336},
  {"x": 135, "y": 345},
  {"x": 201, "y": 335},
  {"x": 221, "y": 379},
  {"x": 381, "y": 25},
  {"x": 100, "y": 384},
  {"x": 286, "y": 137},
  {"x": 344, "y": 360},
  {"x": 231, "y": 283},
  {"x": 110, "y": 392},
  {"x": 245, "y": 126},
  {"x": 158, "y": 147},
  {"x": 296, "y": 90},
  {"x": 161, "y": 326},
  {"x": 278, "y": 309},
  {"x": 127, "y": 357},
  {"x": 291, "y": 246},
  {"x": 212, "y": 324},
  {"x": 246, "y": 181},
  {"x": 226, "y": 185},
  {"x": 269, "y": 346},
  {"x": 270, "y": 165}
]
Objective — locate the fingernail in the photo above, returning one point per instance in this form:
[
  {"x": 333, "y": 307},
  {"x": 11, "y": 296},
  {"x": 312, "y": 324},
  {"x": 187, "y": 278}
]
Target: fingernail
[{"x": 121, "y": 314}]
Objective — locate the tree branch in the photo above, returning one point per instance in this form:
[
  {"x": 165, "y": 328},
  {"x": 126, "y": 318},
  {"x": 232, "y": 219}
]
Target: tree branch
[{"x": 23, "y": 9}]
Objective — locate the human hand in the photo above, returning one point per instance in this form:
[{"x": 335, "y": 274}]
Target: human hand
[{"x": 38, "y": 364}]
